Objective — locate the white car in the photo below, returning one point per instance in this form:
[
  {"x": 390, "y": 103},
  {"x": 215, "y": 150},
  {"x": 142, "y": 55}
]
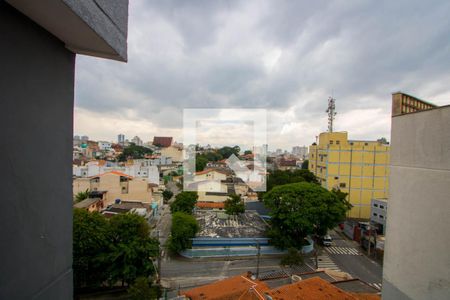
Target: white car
[{"x": 327, "y": 240}]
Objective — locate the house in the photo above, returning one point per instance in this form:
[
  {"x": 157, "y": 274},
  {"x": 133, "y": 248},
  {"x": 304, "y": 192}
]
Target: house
[
  {"x": 245, "y": 287},
  {"x": 174, "y": 152},
  {"x": 287, "y": 164},
  {"x": 123, "y": 207},
  {"x": 117, "y": 185},
  {"x": 162, "y": 141},
  {"x": 90, "y": 204}
]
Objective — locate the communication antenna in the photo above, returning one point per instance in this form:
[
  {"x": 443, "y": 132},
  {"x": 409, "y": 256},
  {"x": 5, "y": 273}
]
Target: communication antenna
[{"x": 331, "y": 113}]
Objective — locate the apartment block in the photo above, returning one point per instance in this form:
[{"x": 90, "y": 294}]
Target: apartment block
[{"x": 359, "y": 168}]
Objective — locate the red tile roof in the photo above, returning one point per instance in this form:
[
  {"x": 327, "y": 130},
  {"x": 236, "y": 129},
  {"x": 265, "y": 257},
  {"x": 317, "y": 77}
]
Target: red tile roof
[
  {"x": 163, "y": 141},
  {"x": 203, "y": 204},
  {"x": 241, "y": 287},
  {"x": 232, "y": 288},
  {"x": 118, "y": 173}
]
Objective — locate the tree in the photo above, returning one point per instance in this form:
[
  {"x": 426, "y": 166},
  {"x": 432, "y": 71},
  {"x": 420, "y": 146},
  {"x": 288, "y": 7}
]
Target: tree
[
  {"x": 292, "y": 258},
  {"x": 167, "y": 194},
  {"x": 184, "y": 202},
  {"x": 342, "y": 196},
  {"x": 234, "y": 205},
  {"x": 142, "y": 290},
  {"x": 248, "y": 152},
  {"x": 279, "y": 177},
  {"x": 305, "y": 164},
  {"x": 133, "y": 152},
  {"x": 184, "y": 228},
  {"x": 90, "y": 238},
  {"x": 200, "y": 163},
  {"x": 80, "y": 196},
  {"x": 131, "y": 248},
  {"x": 227, "y": 151},
  {"x": 300, "y": 209}
]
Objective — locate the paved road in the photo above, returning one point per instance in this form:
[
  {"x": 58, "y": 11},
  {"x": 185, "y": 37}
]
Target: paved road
[
  {"x": 184, "y": 273},
  {"x": 346, "y": 256}
]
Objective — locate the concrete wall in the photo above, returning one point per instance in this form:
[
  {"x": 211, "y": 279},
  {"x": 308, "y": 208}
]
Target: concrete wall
[
  {"x": 36, "y": 98},
  {"x": 417, "y": 259}
]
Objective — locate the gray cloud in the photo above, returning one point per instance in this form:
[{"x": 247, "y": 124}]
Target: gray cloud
[{"x": 279, "y": 55}]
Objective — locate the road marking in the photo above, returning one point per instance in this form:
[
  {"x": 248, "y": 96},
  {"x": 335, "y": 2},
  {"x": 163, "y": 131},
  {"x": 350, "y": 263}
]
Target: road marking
[
  {"x": 342, "y": 250},
  {"x": 376, "y": 285},
  {"x": 324, "y": 261}
]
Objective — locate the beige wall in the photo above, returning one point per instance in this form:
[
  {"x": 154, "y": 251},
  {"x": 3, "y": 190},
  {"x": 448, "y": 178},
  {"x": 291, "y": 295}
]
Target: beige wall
[
  {"x": 135, "y": 189},
  {"x": 417, "y": 249},
  {"x": 174, "y": 152}
]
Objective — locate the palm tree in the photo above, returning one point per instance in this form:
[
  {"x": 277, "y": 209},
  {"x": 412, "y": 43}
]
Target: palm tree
[{"x": 80, "y": 196}]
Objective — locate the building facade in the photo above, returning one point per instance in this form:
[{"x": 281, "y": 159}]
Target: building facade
[
  {"x": 378, "y": 214},
  {"x": 416, "y": 258},
  {"x": 359, "y": 168},
  {"x": 117, "y": 185}
]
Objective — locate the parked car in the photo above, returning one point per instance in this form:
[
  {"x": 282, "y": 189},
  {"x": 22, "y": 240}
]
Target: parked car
[{"x": 326, "y": 240}]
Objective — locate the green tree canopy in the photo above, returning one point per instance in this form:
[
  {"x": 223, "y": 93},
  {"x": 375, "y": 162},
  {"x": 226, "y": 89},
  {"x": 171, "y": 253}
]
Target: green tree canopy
[
  {"x": 184, "y": 202},
  {"x": 279, "y": 177},
  {"x": 200, "y": 163},
  {"x": 142, "y": 290},
  {"x": 292, "y": 258},
  {"x": 90, "y": 238},
  {"x": 305, "y": 164},
  {"x": 234, "y": 205},
  {"x": 134, "y": 152},
  {"x": 228, "y": 151},
  {"x": 80, "y": 196},
  {"x": 184, "y": 227},
  {"x": 167, "y": 194},
  {"x": 300, "y": 209},
  {"x": 131, "y": 248},
  {"x": 248, "y": 152}
]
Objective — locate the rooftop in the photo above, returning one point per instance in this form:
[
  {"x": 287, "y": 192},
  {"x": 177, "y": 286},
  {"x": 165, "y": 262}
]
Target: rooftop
[
  {"x": 163, "y": 141},
  {"x": 219, "y": 224}
]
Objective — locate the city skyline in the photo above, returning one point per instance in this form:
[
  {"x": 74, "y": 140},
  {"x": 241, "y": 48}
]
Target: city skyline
[{"x": 278, "y": 56}]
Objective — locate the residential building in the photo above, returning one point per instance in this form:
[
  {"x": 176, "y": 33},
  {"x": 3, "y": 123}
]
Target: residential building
[
  {"x": 174, "y": 152},
  {"x": 378, "y": 214},
  {"x": 91, "y": 204},
  {"x": 39, "y": 42},
  {"x": 104, "y": 146},
  {"x": 121, "y": 139},
  {"x": 162, "y": 141},
  {"x": 137, "y": 141},
  {"x": 246, "y": 287},
  {"x": 286, "y": 164},
  {"x": 417, "y": 261},
  {"x": 117, "y": 185},
  {"x": 300, "y": 151},
  {"x": 359, "y": 168}
]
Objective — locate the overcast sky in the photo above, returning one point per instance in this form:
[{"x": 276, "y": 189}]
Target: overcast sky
[{"x": 284, "y": 56}]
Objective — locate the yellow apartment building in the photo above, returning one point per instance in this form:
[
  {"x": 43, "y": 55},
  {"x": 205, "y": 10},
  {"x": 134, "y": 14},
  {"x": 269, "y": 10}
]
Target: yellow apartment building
[
  {"x": 359, "y": 168},
  {"x": 117, "y": 185}
]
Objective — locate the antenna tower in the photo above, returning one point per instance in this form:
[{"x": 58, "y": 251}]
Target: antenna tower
[{"x": 331, "y": 113}]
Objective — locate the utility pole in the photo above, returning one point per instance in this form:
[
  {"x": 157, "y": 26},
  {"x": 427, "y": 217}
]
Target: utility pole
[
  {"x": 258, "y": 247},
  {"x": 331, "y": 112}
]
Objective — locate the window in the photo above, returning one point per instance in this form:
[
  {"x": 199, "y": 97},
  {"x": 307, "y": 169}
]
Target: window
[
  {"x": 331, "y": 142},
  {"x": 366, "y": 144},
  {"x": 381, "y": 206},
  {"x": 336, "y": 178},
  {"x": 338, "y": 142},
  {"x": 381, "y": 217},
  {"x": 375, "y": 214},
  {"x": 342, "y": 184},
  {"x": 375, "y": 205}
]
